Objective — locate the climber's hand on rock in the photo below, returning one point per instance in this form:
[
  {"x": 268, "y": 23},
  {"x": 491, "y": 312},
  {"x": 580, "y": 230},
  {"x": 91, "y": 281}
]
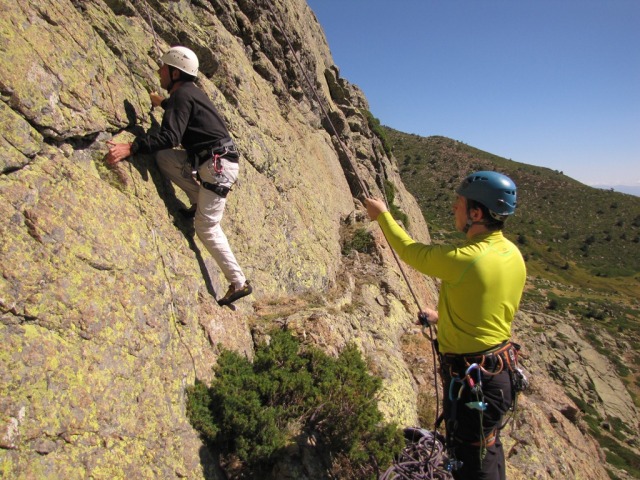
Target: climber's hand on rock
[{"x": 117, "y": 152}]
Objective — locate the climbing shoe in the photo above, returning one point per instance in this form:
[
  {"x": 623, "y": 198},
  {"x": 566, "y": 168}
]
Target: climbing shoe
[
  {"x": 189, "y": 212},
  {"x": 234, "y": 294}
]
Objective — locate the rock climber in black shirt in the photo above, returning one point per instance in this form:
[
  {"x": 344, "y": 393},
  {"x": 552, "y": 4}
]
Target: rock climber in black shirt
[{"x": 205, "y": 169}]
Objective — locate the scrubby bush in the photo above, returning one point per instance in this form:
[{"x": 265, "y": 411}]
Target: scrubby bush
[
  {"x": 362, "y": 241},
  {"x": 255, "y": 410},
  {"x": 378, "y": 130},
  {"x": 396, "y": 212}
]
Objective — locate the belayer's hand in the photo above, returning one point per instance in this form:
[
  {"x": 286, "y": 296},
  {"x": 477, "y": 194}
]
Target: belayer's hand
[
  {"x": 375, "y": 207},
  {"x": 117, "y": 152},
  {"x": 429, "y": 315}
]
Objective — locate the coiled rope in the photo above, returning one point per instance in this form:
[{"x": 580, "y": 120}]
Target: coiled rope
[{"x": 420, "y": 460}]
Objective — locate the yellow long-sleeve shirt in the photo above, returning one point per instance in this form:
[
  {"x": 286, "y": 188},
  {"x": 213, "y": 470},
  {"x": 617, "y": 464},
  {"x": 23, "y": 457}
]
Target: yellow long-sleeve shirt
[{"x": 482, "y": 283}]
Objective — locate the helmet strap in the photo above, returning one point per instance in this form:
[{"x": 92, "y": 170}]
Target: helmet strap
[
  {"x": 471, "y": 223},
  {"x": 172, "y": 82}
]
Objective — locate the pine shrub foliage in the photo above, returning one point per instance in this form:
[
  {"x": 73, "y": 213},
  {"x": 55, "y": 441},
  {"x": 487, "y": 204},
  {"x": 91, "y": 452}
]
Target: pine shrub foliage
[{"x": 254, "y": 410}]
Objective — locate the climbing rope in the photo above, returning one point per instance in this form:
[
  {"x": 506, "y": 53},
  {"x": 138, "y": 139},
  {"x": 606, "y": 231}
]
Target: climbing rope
[
  {"x": 422, "y": 459},
  {"x": 172, "y": 304},
  {"x": 432, "y": 459},
  {"x": 343, "y": 147},
  {"x": 346, "y": 152},
  {"x": 153, "y": 30},
  {"x": 427, "y": 461}
]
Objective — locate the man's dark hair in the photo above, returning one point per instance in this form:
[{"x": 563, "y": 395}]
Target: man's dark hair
[
  {"x": 491, "y": 223},
  {"x": 184, "y": 76}
]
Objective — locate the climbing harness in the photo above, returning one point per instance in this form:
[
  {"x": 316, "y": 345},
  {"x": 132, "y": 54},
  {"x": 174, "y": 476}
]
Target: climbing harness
[
  {"x": 213, "y": 160},
  {"x": 465, "y": 373}
]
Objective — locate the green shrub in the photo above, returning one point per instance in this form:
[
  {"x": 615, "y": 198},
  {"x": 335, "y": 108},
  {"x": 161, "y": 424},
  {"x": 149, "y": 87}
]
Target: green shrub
[
  {"x": 255, "y": 410},
  {"x": 396, "y": 212},
  {"x": 378, "y": 130},
  {"x": 389, "y": 191},
  {"x": 362, "y": 241},
  {"x": 399, "y": 215}
]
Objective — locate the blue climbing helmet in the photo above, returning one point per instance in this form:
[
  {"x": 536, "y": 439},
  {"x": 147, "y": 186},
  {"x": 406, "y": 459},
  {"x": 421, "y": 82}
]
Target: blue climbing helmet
[{"x": 494, "y": 190}]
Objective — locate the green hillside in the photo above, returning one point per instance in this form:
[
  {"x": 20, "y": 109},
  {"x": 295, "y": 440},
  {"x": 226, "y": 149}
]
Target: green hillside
[{"x": 562, "y": 226}]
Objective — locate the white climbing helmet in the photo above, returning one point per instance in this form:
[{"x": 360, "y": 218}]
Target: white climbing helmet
[{"x": 183, "y": 59}]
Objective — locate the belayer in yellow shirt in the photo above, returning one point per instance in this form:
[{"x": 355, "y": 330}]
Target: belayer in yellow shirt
[{"x": 482, "y": 284}]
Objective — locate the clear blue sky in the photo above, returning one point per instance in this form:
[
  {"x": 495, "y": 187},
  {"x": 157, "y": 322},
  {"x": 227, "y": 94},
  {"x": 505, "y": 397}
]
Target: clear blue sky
[{"x": 554, "y": 83}]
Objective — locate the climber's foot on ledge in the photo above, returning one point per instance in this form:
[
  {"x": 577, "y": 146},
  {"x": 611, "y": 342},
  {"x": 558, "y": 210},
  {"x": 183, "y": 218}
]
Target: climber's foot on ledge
[{"x": 234, "y": 294}]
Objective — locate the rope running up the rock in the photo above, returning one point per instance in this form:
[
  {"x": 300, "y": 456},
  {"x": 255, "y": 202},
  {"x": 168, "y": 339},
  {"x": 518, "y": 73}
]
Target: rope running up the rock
[{"x": 431, "y": 461}]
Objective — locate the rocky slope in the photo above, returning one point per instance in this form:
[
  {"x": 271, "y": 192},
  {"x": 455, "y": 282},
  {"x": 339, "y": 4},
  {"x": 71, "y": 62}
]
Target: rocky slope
[{"x": 106, "y": 307}]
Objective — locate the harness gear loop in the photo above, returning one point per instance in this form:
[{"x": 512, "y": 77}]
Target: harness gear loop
[
  {"x": 217, "y": 163},
  {"x": 215, "y": 155}
]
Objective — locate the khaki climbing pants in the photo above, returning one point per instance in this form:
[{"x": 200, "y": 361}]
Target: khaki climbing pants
[{"x": 175, "y": 166}]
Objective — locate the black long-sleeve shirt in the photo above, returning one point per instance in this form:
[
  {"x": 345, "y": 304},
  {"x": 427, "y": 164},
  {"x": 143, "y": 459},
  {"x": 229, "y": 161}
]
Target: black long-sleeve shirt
[{"x": 189, "y": 119}]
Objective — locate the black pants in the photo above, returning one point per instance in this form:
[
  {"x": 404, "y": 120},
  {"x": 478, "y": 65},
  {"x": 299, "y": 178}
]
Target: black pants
[{"x": 467, "y": 428}]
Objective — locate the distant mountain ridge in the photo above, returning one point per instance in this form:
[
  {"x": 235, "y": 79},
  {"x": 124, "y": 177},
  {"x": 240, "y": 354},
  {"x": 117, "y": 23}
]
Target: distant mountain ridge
[{"x": 628, "y": 189}]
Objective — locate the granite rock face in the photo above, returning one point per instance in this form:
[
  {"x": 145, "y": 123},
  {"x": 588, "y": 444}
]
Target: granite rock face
[{"x": 107, "y": 308}]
